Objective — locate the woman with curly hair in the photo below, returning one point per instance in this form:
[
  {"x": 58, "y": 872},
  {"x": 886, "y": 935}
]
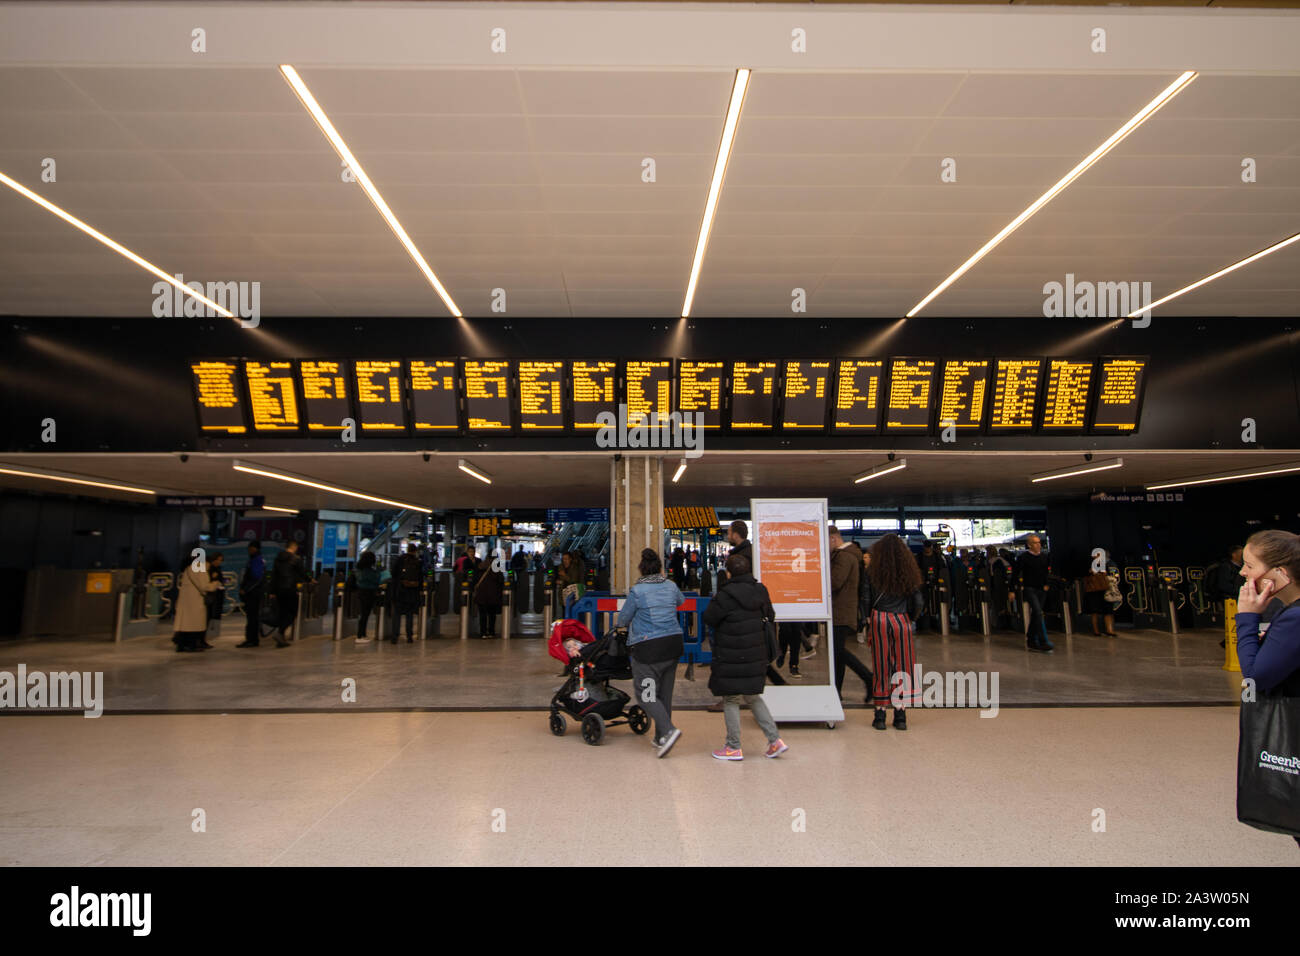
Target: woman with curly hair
[{"x": 895, "y": 599}]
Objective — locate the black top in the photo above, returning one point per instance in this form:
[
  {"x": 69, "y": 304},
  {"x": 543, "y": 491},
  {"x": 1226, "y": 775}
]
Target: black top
[
  {"x": 1033, "y": 569},
  {"x": 287, "y": 572},
  {"x": 736, "y": 615}
]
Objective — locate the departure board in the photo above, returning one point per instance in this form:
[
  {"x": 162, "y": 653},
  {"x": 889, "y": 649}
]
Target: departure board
[
  {"x": 1119, "y": 395},
  {"x": 435, "y": 401},
  {"x": 595, "y": 390},
  {"x": 271, "y": 396},
  {"x": 649, "y": 389},
  {"x": 699, "y": 389},
  {"x": 1015, "y": 394},
  {"x": 806, "y": 390},
  {"x": 911, "y": 386},
  {"x": 379, "y": 395},
  {"x": 753, "y": 395},
  {"x": 541, "y": 396},
  {"x": 857, "y": 395},
  {"x": 962, "y": 391},
  {"x": 487, "y": 395},
  {"x": 217, "y": 391},
  {"x": 324, "y": 395},
  {"x": 1065, "y": 405}
]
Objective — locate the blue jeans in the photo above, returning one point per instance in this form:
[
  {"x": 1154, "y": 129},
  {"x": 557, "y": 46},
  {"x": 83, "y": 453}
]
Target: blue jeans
[{"x": 1037, "y": 633}]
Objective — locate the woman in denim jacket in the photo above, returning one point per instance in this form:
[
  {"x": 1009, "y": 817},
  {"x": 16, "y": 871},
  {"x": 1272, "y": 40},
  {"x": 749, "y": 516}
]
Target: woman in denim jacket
[{"x": 654, "y": 643}]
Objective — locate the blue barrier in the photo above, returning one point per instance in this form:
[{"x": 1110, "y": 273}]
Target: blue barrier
[{"x": 695, "y": 606}]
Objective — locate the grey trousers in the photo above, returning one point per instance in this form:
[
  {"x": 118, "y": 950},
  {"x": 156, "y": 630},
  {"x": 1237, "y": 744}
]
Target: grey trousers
[
  {"x": 757, "y": 707},
  {"x": 655, "y": 697}
]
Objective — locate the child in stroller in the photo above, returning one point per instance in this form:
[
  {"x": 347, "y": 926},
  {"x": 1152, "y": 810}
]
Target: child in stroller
[{"x": 586, "y": 696}]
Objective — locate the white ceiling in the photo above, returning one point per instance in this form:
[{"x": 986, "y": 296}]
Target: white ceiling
[
  {"x": 529, "y": 180},
  {"x": 722, "y": 479}
]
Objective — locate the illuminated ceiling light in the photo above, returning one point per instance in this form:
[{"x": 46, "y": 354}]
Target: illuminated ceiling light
[
  {"x": 348, "y": 492},
  {"x": 71, "y": 479},
  {"x": 681, "y": 470},
  {"x": 1261, "y": 472},
  {"x": 885, "y": 469},
  {"x": 715, "y": 187},
  {"x": 340, "y": 147},
  {"x": 115, "y": 246},
  {"x": 1172, "y": 90},
  {"x": 288, "y": 511},
  {"x": 469, "y": 469},
  {"x": 1084, "y": 469},
  {"x": 1222, "y": 272}
]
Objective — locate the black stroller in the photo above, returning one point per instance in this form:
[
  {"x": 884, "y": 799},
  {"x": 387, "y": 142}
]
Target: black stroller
[{"x": 587, "y": 696}]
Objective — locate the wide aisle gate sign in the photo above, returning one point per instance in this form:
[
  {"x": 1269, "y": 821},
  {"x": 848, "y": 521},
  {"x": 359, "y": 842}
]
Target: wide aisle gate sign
[{"x": 792, "y": 558}]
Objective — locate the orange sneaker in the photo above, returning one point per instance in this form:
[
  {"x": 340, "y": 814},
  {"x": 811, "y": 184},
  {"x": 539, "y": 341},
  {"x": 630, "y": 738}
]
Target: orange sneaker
[
  {"x": 726, "y": 753},
  {"x": 777, "y": 748}
]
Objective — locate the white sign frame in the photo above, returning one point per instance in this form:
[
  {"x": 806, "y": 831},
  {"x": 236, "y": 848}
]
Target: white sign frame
[{"x": 803, "y": 702}]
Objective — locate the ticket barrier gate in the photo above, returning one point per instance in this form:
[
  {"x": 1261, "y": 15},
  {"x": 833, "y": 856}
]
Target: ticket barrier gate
[
  {"x": 1172, "y": 597},
  {"x": 1056, "y": 607},
  {"x": 1203, "y": 611},
  {"x": 548, "y": 602},
  {"x": 507, "y": 608},
  {"x": 340, "y": 597},
  {"x": 381, "y": 610},
  {"x": 463, "y": 594}
]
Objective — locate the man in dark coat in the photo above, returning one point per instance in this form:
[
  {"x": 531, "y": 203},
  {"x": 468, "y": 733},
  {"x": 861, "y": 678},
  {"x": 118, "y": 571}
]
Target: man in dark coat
[
  {"x": 741, "y": 654},
  {"x": 408, "y": 579},
  {"x": 286, "y": 574}
]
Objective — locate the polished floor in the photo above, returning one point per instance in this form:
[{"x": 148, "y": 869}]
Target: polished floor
[
  {"x": 144, "y": 675},
  {"x": 1027, "y": 787}
]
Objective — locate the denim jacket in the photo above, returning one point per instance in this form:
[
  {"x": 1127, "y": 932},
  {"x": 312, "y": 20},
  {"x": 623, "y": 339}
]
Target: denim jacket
[{"x": 651, "y": 609}]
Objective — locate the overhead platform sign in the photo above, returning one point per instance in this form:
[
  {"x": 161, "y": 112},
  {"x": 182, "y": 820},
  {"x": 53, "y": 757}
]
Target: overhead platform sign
[{"x": 791, "y": 551}]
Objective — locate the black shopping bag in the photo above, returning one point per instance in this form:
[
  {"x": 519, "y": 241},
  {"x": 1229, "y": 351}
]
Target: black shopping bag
[{"x": 1268, "y": 765}]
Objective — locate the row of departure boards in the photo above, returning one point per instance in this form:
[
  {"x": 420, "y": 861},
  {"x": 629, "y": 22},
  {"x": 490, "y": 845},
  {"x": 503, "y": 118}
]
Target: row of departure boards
[{"x": 459, "y": 395}]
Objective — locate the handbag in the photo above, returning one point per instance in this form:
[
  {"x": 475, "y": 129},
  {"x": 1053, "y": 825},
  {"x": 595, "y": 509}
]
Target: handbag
[
  {"x": 1268, "y": 764},
  {"x": 769, "y": 639},
  {"x": 1096, "y": 581}
]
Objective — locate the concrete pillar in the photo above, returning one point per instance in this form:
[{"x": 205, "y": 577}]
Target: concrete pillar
[{"x": 636, "y": 518}]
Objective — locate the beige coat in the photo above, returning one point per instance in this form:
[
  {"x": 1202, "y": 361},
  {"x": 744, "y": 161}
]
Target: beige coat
[{"x": 191, "y": 609}]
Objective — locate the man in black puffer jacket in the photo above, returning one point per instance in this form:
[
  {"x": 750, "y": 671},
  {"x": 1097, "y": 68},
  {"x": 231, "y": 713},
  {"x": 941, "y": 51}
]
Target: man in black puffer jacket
[{"x": 741, "y": 655}]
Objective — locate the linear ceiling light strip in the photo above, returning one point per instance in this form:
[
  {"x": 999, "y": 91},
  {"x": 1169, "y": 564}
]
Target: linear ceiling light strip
[
  {"x": 715, "y": 187},
  {"x": 1229, "y": 476},
  {"x": 1172, "y": 90},
  {"x": 340, "y": 147},
  {"x": 115, "y": 246},
  {"x": 52, "y": 476},
  {"x": 335, "y": 489},
  {"x": 1222, "y": 272}
]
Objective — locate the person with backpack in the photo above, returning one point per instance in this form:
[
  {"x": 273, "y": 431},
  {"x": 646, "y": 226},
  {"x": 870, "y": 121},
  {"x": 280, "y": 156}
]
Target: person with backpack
[
  {"x": 407, "y": 581},
  {"x": 895, "y": 601},
  {"x": 489, "y": 594},
  {"x": 252, "y": 588},
  {"x": 741, "y": 615},
  {"x": 365, "y": 579}
]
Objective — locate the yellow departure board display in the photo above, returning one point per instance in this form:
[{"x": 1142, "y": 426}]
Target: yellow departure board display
[
  {"x": 649, "y": 389},
  {"x": 217, "y": 391},
  {"x": 1119, "y": 395},
  {"x": 324, "y": 395},
  {"x": 271, "y": 396},
  {"x": 379, "y": 395},
  {"x": 911, "y": 383},
  {"x": 487, "y": 395},
  {"x": 962, "y": 392},
  {"x": 594, "y": 391},
  {"x": 1065, "y": 405},
  {"x": 1015, "y": 394},
  {"x": 699, "y": 389},
  {"x": 857, "y": 395},
  {"x": 541, "y": 396},
  {"x": 435, "y": 401},
  {"x": 807, "y": 387},
  {"x": 753, "y": 395},
  {"x": 682, "y": 519}
]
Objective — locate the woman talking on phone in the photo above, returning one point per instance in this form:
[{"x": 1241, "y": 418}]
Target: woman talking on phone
[{"x": 1268, "y": 614}]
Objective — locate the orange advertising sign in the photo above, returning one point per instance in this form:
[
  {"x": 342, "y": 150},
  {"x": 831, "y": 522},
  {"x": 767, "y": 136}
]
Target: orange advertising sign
[
  {"x": 792, "y": 561},
  {"x": 791, "y": 556}
]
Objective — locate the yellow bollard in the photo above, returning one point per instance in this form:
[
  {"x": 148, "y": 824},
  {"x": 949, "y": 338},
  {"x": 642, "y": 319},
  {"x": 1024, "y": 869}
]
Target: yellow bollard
[{"x": 1230, "y": 662}]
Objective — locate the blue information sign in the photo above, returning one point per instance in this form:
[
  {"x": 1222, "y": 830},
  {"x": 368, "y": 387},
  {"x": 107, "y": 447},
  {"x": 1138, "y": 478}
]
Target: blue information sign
[{"x": 561, "y": 515}]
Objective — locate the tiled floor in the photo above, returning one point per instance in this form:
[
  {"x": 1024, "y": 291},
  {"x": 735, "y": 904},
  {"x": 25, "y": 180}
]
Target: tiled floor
[
  {"x": 144, "y": 674},
  {"x": 1025, "y": 787}
]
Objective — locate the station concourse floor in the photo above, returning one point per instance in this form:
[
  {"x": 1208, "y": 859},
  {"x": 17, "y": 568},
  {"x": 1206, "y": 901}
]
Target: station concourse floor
[{"x": 453, "y": 737}]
